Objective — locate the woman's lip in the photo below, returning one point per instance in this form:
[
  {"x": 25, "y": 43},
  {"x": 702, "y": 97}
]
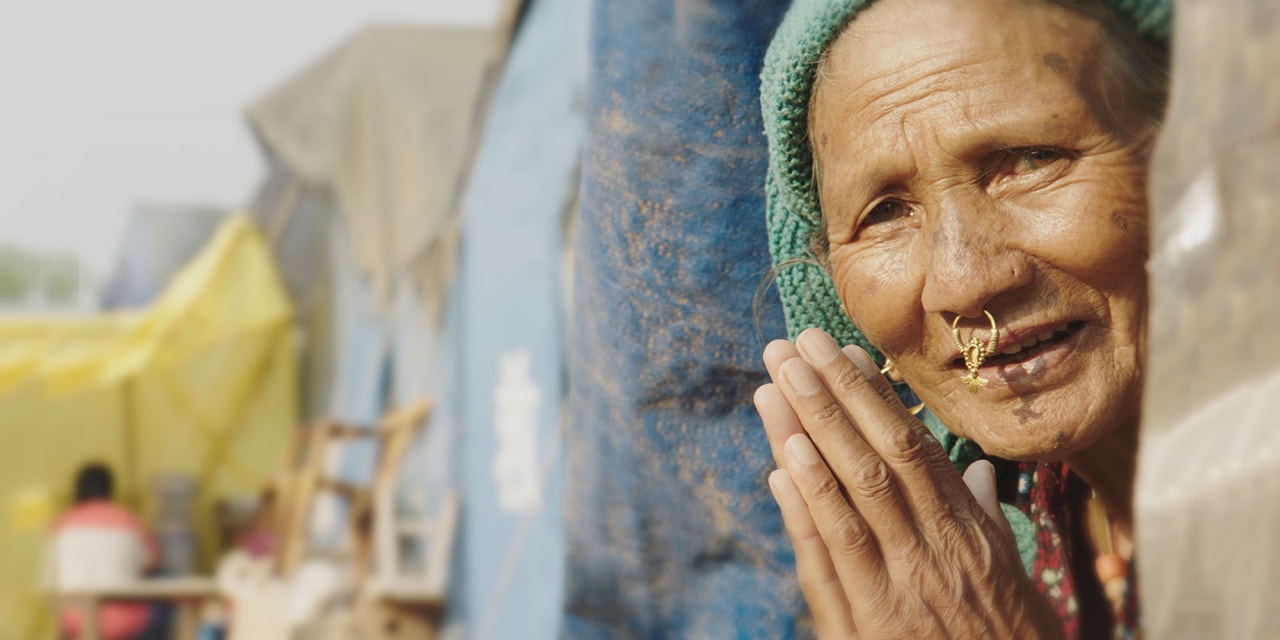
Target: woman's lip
[
  {"x": 1031, "y": 370},
  {"x": 1015, "y": 336}
]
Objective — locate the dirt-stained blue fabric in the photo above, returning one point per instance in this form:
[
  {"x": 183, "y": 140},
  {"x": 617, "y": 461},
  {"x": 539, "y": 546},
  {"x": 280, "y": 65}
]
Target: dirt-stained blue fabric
[{"x": 671, "y": 532}]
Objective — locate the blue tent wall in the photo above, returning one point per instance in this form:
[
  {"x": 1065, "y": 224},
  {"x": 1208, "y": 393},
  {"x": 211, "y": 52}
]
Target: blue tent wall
[
  {"x": 514, "y": 213},
  {"x": 671, "y": 532}
]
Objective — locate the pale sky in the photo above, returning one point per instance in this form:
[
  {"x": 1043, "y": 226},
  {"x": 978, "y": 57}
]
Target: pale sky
[{"x": 108, "y": 103}]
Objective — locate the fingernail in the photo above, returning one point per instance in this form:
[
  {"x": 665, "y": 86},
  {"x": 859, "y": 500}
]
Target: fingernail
[
  {"x": 800, "y": 377},
  {"x": 801, "y": 450},
  {"x": 818, "y": 346},
  {"x": 863, "y": 361},
  {"x": 774, "y": 479}
]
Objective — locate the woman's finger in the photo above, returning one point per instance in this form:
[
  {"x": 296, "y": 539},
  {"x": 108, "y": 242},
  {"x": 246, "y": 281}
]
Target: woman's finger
[
  {"x": 776, "y": 353},
  {"x": 780, "y": 421},
  {"x": 881, "y": 384},
  {"x": 814, "y": 571},
  {"x": 980, "y": 477},
  {"x": 924, "y": 473},
  {"x": 857, "y": 468},
  {"x": 847, "y": 536}
]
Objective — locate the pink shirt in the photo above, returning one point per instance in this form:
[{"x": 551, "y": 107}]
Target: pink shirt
[{"x": 101, "y": 544}]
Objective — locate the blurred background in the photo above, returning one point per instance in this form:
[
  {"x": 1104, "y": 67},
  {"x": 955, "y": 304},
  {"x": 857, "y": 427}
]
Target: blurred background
[
  {"x": 112, "y": 107},
  {"x": 230, "y": 300},
  {"x": 442, "y": 318}
]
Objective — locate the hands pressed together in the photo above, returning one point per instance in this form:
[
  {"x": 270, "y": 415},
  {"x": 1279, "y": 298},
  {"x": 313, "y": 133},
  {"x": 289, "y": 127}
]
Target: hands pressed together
[{"x": 890, "y": 541}]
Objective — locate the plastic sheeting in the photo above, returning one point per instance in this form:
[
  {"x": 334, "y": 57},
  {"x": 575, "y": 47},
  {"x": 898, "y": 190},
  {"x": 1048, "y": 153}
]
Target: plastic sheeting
[
  {"x": 493, "y": 360},
  {"x": 671, "y": 530},
  {"x": 158, "y": 241},
  {"x": 512, "y": 304},
  {"x": 201, "y": 383},
  {"x": 385, "y": 121},
  {"x": 1208, "y": 489},
  {"x": 365, "y": 149}
]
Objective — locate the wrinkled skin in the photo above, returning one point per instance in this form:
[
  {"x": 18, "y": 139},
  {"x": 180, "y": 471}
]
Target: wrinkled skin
[{"x": 974, "y": 167}]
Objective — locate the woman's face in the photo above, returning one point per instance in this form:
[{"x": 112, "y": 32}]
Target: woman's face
[{"x": 967, "y": 162}]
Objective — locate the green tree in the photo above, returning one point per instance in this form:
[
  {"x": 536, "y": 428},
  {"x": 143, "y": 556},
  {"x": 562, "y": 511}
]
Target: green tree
[{"x": 18, "y": 273}]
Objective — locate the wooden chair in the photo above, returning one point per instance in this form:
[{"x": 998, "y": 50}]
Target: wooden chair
[
  {"x": 390, "y": 601},
  {"x": 394, "y": 433}
]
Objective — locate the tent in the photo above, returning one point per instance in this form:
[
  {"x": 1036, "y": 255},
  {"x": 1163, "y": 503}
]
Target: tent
[
  {"x": 670, "y": 531},
  {"x": 384, "y": 123},
  {"x": 202, "y": 383},
  {"x": 158, "y": 241},
  {"x": 488, "y": 342},
  {"x": 365, "y": 148}
]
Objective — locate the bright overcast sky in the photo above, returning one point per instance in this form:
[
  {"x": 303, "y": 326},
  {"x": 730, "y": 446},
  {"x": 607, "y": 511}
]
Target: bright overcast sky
[{"x": 106, "y": 104}]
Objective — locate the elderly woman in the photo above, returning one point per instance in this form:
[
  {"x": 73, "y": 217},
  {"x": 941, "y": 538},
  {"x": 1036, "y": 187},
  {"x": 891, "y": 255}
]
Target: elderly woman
[{"x": 960, "y": 186}]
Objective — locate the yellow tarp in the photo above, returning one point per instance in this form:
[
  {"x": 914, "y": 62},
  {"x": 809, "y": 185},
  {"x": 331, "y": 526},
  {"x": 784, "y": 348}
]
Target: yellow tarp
[{"x": 202, "y": 383}]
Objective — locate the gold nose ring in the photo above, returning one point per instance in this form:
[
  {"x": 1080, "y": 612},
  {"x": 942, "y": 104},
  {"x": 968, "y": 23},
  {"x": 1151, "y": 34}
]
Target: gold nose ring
[{"x": 975, "y": 352}]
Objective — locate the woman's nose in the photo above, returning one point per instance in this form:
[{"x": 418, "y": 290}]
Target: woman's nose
[{"x": 972, "y": 260}]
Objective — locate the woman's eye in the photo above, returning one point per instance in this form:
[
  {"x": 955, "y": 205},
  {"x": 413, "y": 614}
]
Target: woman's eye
[
  {"x": 886, "y": 211},
  {"x": 1036, "y": 159},
  {"x": 1042, "y": 162}
]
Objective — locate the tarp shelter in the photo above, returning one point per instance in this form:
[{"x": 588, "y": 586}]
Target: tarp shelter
[
  {"x": 510, "y": 327},
  {"x": 671, "y": 531},
  {"x": 365, "y": 148},
  {"x": 384, "y": 122},
  {"x": 202, "y": 383},
  {"x": 158, "y": 241},
  {"x": 493, "y": 358}
]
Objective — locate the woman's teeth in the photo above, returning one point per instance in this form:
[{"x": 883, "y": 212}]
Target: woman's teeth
[{"x": 1031, "y": 341}]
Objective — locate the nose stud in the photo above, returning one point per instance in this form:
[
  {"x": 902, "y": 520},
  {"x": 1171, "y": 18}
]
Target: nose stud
[{"x": 975, "y": 352}]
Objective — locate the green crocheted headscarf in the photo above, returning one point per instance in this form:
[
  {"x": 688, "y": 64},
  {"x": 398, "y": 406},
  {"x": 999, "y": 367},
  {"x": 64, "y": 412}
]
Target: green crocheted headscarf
[{"x": 808, "y": 296}]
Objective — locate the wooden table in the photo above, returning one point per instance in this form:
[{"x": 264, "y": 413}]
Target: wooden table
[{"x": 187, "y": 593}]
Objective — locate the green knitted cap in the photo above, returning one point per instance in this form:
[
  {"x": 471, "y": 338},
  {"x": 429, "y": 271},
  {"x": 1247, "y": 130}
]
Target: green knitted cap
[{"x": 808, "y": 296}]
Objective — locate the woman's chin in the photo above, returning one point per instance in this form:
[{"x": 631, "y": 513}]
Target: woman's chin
[
  {"x": 1050, "y": 445},
  {"x": 1047, "y": 430}
]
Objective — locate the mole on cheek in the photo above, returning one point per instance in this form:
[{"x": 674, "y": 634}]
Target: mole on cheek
[
  {"x": 1055, "y": 62},
  {"x": 1119, "y": 221},
  {"x": 822, "y": 141}
]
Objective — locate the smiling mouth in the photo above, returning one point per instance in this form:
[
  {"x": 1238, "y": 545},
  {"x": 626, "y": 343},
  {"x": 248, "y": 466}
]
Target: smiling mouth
[{"x": 1028, "y": 347}]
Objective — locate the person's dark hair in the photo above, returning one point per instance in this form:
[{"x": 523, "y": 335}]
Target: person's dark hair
[{"x": 94, "y": 482}]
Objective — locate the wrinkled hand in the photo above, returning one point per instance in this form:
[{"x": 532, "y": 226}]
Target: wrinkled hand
[{"x": 890, "y": 541}]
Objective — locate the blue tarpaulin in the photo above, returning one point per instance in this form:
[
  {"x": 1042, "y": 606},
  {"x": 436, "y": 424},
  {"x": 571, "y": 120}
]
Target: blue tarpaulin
[
  {"x": 512, "y": 301},
  {"x": 671, "y": 531}
]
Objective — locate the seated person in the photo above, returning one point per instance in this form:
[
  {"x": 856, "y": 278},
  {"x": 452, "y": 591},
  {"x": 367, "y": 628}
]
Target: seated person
[{"x": 100, "y": 544}]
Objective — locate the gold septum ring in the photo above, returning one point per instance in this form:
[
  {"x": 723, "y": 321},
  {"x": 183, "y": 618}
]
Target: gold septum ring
[{"x": 975, "y": 352}]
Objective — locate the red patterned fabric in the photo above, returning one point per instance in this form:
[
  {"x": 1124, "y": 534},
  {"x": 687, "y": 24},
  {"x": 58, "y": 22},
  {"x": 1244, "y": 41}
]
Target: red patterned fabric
[{"x": 1044, "y": 496}]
